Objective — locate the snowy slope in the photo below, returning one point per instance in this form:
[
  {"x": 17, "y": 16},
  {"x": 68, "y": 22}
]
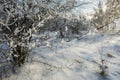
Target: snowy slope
[{"x": 74, "y": 60}]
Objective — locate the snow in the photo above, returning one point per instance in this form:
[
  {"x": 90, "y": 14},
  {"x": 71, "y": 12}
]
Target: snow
[{"x": 74, "y": 60}]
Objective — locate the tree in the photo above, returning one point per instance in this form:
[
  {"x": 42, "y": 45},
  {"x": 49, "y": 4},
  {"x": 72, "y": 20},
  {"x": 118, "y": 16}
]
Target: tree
[{"x": 103, "y": 19}]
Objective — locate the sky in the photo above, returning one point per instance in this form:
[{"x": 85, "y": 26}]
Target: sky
[{"x": 88, "y": 8}]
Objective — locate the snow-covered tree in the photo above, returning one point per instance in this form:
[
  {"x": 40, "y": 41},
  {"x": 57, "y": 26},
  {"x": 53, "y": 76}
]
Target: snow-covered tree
[{"x": 106, "y": 15}]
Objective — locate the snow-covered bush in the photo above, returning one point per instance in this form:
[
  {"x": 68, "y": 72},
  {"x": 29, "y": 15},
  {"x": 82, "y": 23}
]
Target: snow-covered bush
[{"x": 16, "y": 26}]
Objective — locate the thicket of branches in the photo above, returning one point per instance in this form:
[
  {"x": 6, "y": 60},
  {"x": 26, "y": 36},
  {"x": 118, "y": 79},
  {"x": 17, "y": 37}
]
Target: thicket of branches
[
  {"x": 105, "y": 17},
  {"x": 19, "y": 19}
]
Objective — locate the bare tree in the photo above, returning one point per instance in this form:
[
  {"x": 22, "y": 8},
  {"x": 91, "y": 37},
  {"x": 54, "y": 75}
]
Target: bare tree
[{"x": 102, "y": 18}]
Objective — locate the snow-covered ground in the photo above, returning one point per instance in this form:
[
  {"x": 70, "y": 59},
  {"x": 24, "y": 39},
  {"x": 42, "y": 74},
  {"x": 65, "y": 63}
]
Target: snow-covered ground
[{"x": 74, "y": 60}]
